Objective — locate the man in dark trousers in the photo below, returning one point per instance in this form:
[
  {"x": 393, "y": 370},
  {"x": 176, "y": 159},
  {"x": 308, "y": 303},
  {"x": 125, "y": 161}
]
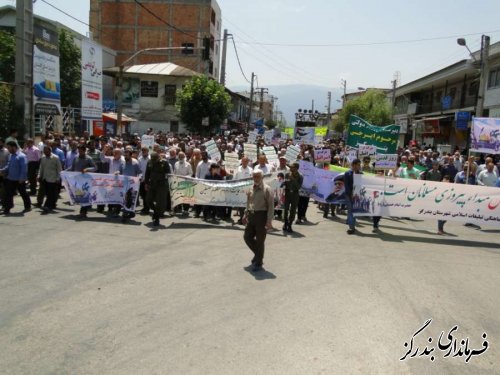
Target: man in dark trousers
[
  {"x": 258, "y": 218},
  {"x": 15, "y": 174},
  {"x": 156, "y": 184},
  {"x": 293, "y": 183},
  {"x": 349, "y": 190}
]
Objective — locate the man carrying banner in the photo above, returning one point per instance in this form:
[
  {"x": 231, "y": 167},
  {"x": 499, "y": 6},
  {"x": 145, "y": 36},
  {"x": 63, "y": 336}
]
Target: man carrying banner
[
  {"x": 156, "y": 182},
  {"x": 349, "y": 189},
  {"x": 258, "y": 218},
  {"x": 82, "y": 163},
  {"x": 293, "y": 183},
  {"x": 131, "y": 168}
]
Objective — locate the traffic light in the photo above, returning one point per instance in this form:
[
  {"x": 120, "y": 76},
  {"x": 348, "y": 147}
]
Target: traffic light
[
  {"x": 206, "y": 49},
  {"x": 188, "y": 48}
]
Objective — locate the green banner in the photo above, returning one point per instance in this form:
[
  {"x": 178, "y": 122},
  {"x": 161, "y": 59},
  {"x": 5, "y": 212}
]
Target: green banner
[
  {"x": 321, "y": 130},
  {"x": 385, "y": 138},
  {"x": 290, "y": 132}
]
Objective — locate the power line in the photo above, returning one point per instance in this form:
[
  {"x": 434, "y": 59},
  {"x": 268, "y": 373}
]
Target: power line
[
  {"x": 239, "y": 62},
  {"x": 272, "y": 55},
  {"x": 370, "y": 43}
]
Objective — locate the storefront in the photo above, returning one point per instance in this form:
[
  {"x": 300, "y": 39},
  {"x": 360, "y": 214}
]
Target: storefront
[{"x": 109, "y": 125}]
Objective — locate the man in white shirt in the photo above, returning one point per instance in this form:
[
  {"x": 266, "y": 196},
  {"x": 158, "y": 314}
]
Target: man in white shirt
[
  {"x": 488, "y": 177},
  {"x": 183, "y": 168},
  {"x": 482, "y": 167},
  {"x": 201, "y": 171},
  {"x": 262, "y": 165},
  {"x": 243, "y": 171},
  {"x": 282, "y": 167},
  {"x": 203, "y": 166}
]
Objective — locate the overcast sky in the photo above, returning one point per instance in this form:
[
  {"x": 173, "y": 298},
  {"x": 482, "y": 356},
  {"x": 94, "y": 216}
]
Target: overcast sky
[{"x": 336, "y": 22}]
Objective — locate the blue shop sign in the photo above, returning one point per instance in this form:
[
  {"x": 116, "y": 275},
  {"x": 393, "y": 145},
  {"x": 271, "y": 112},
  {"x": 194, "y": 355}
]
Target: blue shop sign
[{"x": 462, "y": 119}]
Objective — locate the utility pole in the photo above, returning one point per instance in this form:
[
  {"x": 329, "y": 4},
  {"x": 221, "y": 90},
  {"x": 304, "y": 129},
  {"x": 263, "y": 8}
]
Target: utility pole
[
  {"x": 251, "y": 102},
  {"x": 24, "y": 62},
  {"x": 222, "y": 79},
  {"x": 394, "y": 85},
  {"x": 329, "y": 110},
  {"x": 261, "y": 106},
  {"x": 485, "y": 53},
  {"x": 344, "y": 85}
]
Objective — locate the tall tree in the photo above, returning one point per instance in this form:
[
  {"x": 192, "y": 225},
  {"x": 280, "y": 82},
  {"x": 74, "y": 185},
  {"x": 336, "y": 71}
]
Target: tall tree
[
  {"x": 70, "y": 71},
  {"x": 373, "y": 106},
  {"x": 7, "y": 74},
  {"x": 7, "y": 57},
  {"x": 200, "y": 98}
]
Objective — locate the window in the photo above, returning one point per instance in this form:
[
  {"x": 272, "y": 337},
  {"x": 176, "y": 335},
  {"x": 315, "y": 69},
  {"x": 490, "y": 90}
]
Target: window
[
  {"x": 213, "y": 17},
  {"x": 438, "y": 97},
  {"x": 170, "y": 94},
  {"x": 149, "y": 89},
  {"x": 473, "y": 88},
  {"x": 174, "y": 126},
  {"x": 494, "y": 79},
  {"x": 453, "y": 93}
]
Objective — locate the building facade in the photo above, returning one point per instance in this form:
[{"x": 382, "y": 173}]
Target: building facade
[
  {"x": 70, "y": 121},
  {"x": 149, "y": 95},
  {"x": 436, "y": 109},
  {"x": 128, "y": 27}
]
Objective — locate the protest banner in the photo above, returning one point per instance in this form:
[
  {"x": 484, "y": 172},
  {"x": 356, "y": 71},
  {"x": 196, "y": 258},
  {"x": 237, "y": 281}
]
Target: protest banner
[
  {"x": 351, "y": 155},
  {"x": 271, "y": 155},
  {"x": 367, "y": 150},
  {"x": 291, "y": 153},
  {"x": 213, "y": 150},
  {"x": 290, "y": 132},
  {"x": 485, "y": 135},
  {"x": 321, "y": 131},
  {"x": 252, "y": 136},
  {"x": 322, "y": 155},
  {"x": 232, "y": 193},
  {"x": 87, "y": 189},
  {"x": 250, "y": 151},
  {"x": 268, "y": 136},
  {"x": 378, "y": 196},
  {"x": 304, "y": 135},
  {"x": 231, "y": 161},
  {"x": 148, "y": 141},
  {"x": 360, "y": 132},
  {"x": 320, "y": 184},
  {"x": 386, "y": 161}
]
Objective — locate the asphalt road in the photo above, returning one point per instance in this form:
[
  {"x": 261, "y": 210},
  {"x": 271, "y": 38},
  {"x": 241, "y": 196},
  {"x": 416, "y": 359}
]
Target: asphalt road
[{"x": 101, "y": 297}]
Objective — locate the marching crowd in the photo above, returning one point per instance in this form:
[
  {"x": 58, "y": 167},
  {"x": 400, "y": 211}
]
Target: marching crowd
[{"x": 37, "y": 166}]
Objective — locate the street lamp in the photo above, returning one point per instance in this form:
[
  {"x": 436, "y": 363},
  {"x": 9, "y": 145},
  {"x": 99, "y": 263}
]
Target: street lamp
[{"x": 462, "y": 42}]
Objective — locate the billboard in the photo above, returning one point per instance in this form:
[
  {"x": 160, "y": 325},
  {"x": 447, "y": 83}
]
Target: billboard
[
  {"x": 46, "y": 81},
  {"x": 91, "y": 80}
]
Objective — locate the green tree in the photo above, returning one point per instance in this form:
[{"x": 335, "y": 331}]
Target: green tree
[
  {"x": 7, "y": 74},
  {"x": 373, "y": 106},
  {"x": 202, "y": 97},
  {"x": 70, "y": 71},
  {"x": 7, "y": 57},
  {"x": 271, "y": 124}
]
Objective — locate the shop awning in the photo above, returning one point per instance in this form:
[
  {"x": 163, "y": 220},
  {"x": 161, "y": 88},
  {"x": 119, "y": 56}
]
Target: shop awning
[{"x": 114, "y": 117}]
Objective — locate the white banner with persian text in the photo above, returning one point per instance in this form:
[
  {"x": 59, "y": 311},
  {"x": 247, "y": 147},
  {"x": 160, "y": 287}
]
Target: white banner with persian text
[
  {"x": 87, "y": 189},
  {"x": 377, "y": 196},
  {"x": 232, "y": 193}
]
